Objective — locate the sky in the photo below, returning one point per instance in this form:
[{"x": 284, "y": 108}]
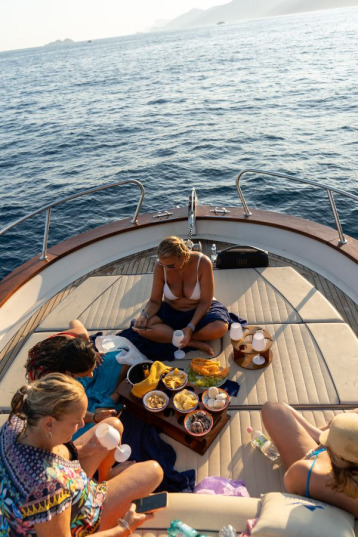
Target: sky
[{"x": 32, "y": 23}]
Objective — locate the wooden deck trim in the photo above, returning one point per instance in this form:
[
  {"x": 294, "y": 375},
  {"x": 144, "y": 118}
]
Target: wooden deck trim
[{"x": 11, "y": 283}]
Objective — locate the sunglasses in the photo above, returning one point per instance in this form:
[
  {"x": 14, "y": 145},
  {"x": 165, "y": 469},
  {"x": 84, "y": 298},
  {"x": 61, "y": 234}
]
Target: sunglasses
[{"x": 165, "y": 266}]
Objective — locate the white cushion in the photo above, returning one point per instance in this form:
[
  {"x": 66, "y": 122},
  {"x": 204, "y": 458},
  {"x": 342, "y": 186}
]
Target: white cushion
[{"x": 288, "y": 515}]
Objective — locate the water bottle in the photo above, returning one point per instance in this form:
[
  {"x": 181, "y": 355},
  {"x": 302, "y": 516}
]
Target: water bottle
[
  {"x": 178, "y": 528},
  {"x": 258, "y": 439},
  {"x": 214, "y": 255},
  {"x": 227, "y": 531}
]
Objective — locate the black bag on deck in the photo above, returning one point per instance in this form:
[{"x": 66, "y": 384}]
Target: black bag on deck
[{"x": 242, "y": 257}]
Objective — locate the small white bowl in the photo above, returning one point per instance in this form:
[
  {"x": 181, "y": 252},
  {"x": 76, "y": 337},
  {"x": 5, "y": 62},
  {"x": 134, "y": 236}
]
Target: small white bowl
[
  {"x": 172, "y": 373},
  {"x": 216, "y": 407},
  {"x": 154, "y": 393},
  {"x": 179, "y": 395}
]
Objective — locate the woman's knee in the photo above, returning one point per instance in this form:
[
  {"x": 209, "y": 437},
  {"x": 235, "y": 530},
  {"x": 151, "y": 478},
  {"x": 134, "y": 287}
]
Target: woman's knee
[
  {"x": 152, "y": 471},
  {"x": 214, "y": 330},
  {"x": 114, "y": 422},
  {"x": 156, "y": 470},
  {"x": 270, "y": 410}
]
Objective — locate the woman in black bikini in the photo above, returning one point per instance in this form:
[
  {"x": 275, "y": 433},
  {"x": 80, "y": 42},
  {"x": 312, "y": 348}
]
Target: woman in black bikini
[
  {"x": 185, "y": 279},
  {"x": 321, "y": 464}
]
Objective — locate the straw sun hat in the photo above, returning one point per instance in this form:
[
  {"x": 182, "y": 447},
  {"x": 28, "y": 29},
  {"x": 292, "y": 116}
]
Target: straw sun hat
[{"x": 342, "y": 436}]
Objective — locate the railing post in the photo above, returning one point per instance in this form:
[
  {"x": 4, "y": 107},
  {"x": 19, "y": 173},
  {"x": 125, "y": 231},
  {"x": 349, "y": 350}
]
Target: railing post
[
  {"x": 46, "y": 232},
  {"x": 342, "y": 239},
  {"x": 139, "y": 204},
  {"x": 243, "y": 201}
]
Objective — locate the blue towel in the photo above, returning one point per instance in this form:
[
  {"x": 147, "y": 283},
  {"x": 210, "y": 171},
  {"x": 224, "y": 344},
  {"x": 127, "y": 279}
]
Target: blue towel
[
  {"x": 146, "y": 444},
  {"x": 153, "y": 349},
  {"x": 231, "y": 387}
]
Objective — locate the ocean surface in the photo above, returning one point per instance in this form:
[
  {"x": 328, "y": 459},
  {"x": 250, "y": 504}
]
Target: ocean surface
[{"x": 177, "y": 110}]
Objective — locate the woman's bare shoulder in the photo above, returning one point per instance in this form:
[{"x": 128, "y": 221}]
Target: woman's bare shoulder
[
  {"x": 204, "y": 260},
  {"x": 296, "y": 477}
]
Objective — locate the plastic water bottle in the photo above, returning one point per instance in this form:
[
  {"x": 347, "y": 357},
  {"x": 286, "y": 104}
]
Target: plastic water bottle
[
  {"x": 178, "y": 528},
  {"x": 259, "y": 440},
  {"x": 227, "y": 531},
  {"x": 214, "y": 255}
]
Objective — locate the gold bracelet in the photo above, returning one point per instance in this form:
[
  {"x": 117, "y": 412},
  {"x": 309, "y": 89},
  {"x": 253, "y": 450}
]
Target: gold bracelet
[{"x": 125, "y": 524}]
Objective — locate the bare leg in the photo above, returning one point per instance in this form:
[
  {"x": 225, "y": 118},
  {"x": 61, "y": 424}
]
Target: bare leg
[
  {"x": 214, "y": 330},
  {"x": 134, "y": 482},
  {"x": 156, "y": 330},
  {"x": 98, "y": 459},
  {"x": 201, "y": 345},
  {"x": 291, "y": 438},
  {"x": 77, "y": 328},
  {"x": 115, "y": 395}
]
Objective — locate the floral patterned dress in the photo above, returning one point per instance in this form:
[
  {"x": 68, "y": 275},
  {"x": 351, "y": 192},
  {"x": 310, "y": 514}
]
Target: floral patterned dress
[{"x": 36, "y": 485}]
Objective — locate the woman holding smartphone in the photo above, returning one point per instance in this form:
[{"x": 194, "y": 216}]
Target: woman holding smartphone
[{"x": 45, "y": 489}]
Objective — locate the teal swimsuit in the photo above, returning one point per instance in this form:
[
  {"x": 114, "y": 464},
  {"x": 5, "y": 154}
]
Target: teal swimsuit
[{"x": 311, "y": 454}]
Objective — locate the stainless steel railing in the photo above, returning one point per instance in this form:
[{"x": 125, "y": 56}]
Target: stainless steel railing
[
  {"x": 328, "y": 189},
  {"x": 48, "y": 209}
]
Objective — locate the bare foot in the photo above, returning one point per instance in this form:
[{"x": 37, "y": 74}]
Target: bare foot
[{"x": 201, "y": 345}]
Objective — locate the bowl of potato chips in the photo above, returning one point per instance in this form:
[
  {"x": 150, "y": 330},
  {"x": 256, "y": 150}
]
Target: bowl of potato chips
[
  {"x": 175, "y": 380},
  {"x": 185, "y": 401}
]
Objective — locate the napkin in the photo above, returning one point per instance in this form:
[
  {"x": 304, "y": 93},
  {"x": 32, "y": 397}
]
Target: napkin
[{"x": 151, "y": 382}]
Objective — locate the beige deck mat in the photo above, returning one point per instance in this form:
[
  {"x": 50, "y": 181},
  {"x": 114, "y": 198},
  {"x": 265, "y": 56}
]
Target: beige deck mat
[
  {"x": 309, "y": 366},
  {"x": 231, "y": 454},
  {"x": 270, "y": 295}
]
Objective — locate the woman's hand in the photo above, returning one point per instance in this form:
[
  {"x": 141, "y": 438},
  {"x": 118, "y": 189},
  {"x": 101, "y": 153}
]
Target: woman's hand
[
  {"x": 103, "y": 413},
  {"x": 141, "y": 322},
  {"x": 90, "y": 448},
  {"x": 187, "y": 331},
  {"x": 99, "y": 358},
  {"x": 135, "y": 519}
]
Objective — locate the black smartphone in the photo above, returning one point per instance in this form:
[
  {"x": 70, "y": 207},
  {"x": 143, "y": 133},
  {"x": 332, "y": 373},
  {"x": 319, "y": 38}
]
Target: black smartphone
[{"x": 152, "y": 503}]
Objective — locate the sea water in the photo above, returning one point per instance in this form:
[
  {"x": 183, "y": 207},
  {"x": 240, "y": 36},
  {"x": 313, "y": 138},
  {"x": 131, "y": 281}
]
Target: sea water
[{"x": 176, "y": 110}]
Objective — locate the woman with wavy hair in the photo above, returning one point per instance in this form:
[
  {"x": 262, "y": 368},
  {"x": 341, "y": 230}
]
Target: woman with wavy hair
[
  {"x": 73, "y": 354},
  {"x": 320, "y": 463},
  {"x": 185, "y": 279},
  {"x": 46, "y": 485}
]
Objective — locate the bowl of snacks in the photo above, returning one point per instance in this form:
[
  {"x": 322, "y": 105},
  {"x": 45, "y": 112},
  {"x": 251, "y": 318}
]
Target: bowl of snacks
[
  {"x": 175, "y": 380},
  {"x": 215, "y": 399},
  {"x": 155, "y": 401},
  {"x": 198, "y": 422},
  {"x": 185, "y": 401}
]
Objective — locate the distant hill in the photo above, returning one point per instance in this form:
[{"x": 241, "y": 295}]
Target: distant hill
[
  {"x": 60, "y": 42},
  {"x": 243, "y": 9}
]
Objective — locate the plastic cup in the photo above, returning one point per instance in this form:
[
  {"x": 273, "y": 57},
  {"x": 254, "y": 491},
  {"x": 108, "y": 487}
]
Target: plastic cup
[
  {"x": 108, "y": 436},
  {"x": 236, "y": 331},
  {"x": 122, "y": 453}
]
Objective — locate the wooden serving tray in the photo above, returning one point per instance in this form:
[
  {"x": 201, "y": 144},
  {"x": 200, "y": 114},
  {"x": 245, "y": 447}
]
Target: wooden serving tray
[
  {"x": 170, "y": 421},
  {"x": 244, "y": 353}
]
